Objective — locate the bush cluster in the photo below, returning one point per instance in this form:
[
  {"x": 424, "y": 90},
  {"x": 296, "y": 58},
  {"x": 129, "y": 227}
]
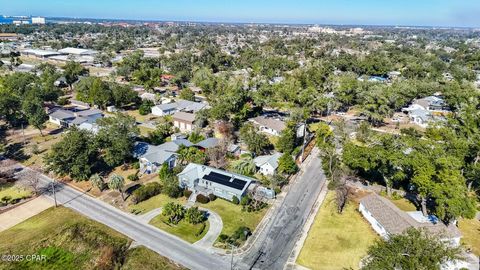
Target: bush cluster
[{"x": 146, "y": 192}]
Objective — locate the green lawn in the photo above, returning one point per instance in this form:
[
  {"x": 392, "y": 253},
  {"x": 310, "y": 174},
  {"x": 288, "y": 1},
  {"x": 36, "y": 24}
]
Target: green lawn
[
  {"x": 470, "y": 229},
  {"x": 72, "y": 241},
  {"x": 183, "y": 229},
  {"x": 14, "y": 192},
  {"x": 336, "y": 241},
  {"x": 233, "y": 216},
  {"x": 154, "y": 203}
]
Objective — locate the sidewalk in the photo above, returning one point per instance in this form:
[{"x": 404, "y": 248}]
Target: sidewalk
[{"x": 24, "y": 212}]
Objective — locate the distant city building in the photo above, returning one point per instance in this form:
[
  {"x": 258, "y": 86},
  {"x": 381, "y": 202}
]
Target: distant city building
[{"x": 38, "y": 20}]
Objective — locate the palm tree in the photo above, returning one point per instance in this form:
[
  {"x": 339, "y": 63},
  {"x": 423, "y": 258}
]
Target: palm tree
[
  {"x": 97, "y": 181},
  {"x": 245, "y": 165},
  {"x": 117, "y": 182}
]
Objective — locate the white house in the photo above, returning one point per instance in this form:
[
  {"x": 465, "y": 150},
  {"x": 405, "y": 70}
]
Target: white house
[
  {"x": 164, "y": 109},
  {"x": 68, "y": 118},
  {"x": 268, "y": 125},
  {"x": 267, "y": 165},
  {"x": 387, "y": 219}
]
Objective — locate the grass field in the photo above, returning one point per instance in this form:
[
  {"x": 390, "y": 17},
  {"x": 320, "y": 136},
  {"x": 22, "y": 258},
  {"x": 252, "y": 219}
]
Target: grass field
[
  {"x": 71, "y": 241},
  {"x": 470, "y": 229},
  {"x": 183, "y": 229},
  {"x": 14, "y": 192},
  {"x": 336, "y": 241},
  {"x": 154, "y": 203},
  {"x": 233, "y": 216}
]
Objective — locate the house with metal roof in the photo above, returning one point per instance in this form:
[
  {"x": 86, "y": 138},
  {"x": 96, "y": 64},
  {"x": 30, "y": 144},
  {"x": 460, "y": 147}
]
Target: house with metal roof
[
  {"x": 387, "y": 219},
  {"x": 268, "y": 164},
  {"x": 206, "y": 180},
  {"x": 68, "y": 118}
]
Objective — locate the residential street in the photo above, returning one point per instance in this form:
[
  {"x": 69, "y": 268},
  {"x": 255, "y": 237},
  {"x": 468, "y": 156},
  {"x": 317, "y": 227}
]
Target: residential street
[
  {"x": 270, "y": 250},
  {"x": 161, "y": 242},
  {"x": 275, "y": 244}
]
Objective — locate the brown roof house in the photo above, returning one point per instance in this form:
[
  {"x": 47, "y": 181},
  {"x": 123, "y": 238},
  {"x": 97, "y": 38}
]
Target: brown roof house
[
  {"x": 387, "y": 219},
  {"x": 184, "y": 121}
]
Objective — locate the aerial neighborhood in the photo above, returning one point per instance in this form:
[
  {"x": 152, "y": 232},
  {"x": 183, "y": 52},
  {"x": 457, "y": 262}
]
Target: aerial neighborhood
[{"x": 131, "y": 144}]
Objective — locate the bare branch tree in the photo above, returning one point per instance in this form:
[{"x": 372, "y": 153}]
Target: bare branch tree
[
  {"x": 31, "y": 179},
  {"x": 217, "y": 156},
  {"x": 342, "y": 191}
]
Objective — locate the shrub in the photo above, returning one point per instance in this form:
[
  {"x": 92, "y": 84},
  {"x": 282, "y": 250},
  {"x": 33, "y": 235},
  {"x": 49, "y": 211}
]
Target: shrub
[
  {"x": 63, "y": 101},
  {"x": 223, "y": 238},
  {"x": 202, "y": 199},
  {"x": 136, "y": 165},
  {"x": 242, "y": 233},
  {"x": 133, "y": 177},
  {"x": 212, "y": 197},
  {"x": 172, "y": 190},
  {"x": 194, "y": 216},
  {"x": 187, "y": 193},
  {"x": 146, "y": 192},
  {"x": 200, "y": 229},
  {"x": 235, "y": 200},
  {"x": 245, "y": 200},
  {"x": 278, "y": 190}
]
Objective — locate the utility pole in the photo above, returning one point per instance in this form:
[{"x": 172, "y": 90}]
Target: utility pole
[{"x": 54, "y": 193}]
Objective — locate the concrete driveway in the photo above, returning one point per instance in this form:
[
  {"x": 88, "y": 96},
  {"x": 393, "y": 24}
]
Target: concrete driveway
[{"x": 24, "y": 212}]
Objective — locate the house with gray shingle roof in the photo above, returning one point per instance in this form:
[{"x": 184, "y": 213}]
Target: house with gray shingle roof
[
  {"x": 387, "y": 219},
  {"x": 268, "y": 164},
  {"x": 269, "y": 125}
]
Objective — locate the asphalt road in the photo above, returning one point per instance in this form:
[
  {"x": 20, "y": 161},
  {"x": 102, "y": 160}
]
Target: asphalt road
[
  {"x": 155, "y": 239},
  {"x": 276, "y": 242}
]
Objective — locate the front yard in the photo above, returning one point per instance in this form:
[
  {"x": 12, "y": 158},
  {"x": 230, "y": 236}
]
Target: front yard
[
  {"x": 155, "y": 202},
  {"x": 188, "y": 232},
  {"x": 10, "y": 193},
  {"x": 233, "y": 217},
  {"x": 336, "y": 241}
]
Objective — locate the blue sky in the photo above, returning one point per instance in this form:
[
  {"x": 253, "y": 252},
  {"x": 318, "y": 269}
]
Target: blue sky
[{"x": 383, "y": 12}]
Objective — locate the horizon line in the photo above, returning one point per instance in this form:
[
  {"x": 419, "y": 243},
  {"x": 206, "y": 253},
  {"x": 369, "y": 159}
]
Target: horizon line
[{"x": 252, "y": 22}]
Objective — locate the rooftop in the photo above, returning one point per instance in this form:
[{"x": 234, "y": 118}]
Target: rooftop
[{"x": 396, "y": 221}]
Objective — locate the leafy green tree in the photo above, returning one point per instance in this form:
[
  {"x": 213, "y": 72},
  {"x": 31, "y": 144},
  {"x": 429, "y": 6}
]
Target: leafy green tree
[
  {"x": 287, "y": 140},
  {"x": 116, "y": 138},
  {"x": 146, "y": 107},
  {"x": 117, "y": 182},
  {"x": 286, "y": 164},
  {"x": 162, "y": 131},
  {"x": 414, "y": 249},
  {"x": 72, "y": 71},
  {"x": 75, "y": 155},
  {"x": 187, "y": 94},
  {"x": 35, "y": 113},
  {"x": 256, "y": 142}
]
